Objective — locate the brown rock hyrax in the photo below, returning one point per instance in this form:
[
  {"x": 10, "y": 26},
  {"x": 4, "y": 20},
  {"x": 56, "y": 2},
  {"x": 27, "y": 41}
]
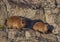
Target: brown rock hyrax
[
  {"x": 41, "y": 27},
  {"x": 15, "y": 22}
]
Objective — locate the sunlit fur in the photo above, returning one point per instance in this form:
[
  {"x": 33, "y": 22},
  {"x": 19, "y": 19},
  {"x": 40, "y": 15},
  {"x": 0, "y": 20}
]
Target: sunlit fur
[
  {"x": 15, "y": 22},
  {"x": 39, "y": 26}
]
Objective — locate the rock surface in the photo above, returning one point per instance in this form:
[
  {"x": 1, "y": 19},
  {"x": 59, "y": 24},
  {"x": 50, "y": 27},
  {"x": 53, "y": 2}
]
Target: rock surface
[
  {"x": 46, "y": 10},
  {"x": 26, "y": 35}
]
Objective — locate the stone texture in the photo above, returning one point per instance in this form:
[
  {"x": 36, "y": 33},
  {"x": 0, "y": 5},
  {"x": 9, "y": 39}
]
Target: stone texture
[
  {"x": 58, "y": 2},
  {"x": 3, "y": 13},
  {"x": 46, "y": 10},
  {"x": 29, "y": 36}
]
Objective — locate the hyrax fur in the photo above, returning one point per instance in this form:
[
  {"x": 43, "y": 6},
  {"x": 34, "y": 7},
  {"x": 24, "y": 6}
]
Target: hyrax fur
[
  {"x": 41, "y": 27},
  {"x": 15, "y": 22}
]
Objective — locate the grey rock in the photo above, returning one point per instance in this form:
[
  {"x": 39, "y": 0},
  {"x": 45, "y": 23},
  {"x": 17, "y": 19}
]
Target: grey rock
[
  {"x": 58, "y": 2},
  {"x": 27, "y": 34},
  {"x": 45, "y": 10}
]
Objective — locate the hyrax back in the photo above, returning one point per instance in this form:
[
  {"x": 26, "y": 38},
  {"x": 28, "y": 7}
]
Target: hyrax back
[
  {"x": 15, "y": 22},
  {"x": 39, "y": 26}
]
